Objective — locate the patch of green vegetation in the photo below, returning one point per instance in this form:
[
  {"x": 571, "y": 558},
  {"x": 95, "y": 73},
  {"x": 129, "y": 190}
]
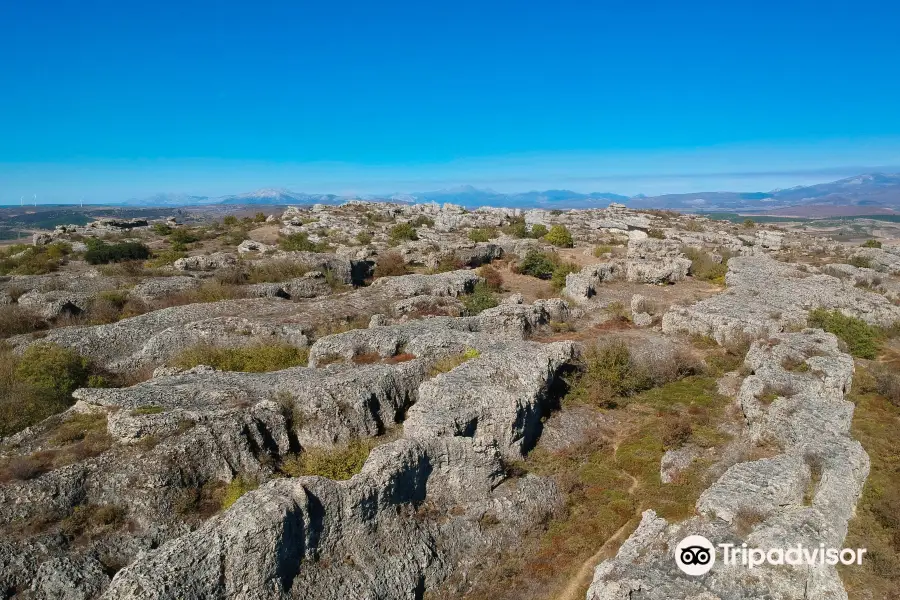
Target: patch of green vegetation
[
  {"x": 601, "y": 250},
  {"x": 558, "y": 277},
  {"x": 538, "y": 231},
  {"x": 259, "y": 358},
  {"x": 538, "y": 264},
  {"x": 33, "y": 260},
  {"x": 704, "y": 267},
  {"x": 483, "y": 234},
  {"x": 861, "y": 338},
  {"x": 364, "y": 237},
  {"x": 860, "y": 262},
  {"x": 150, "y": 409},
  {"x": 339, "y": 463},
  {"x": 481, "y": 298},
  {"x": 403, "y": 232},
  {"x": 101, "y": 253},
  {"x": 559, "y": 236},
  {"x": 871, "y": 244},
  {"x": 300, "y": 242},
  {"x": 238, "y": 486},
  {"x": 876, "y": 523},
  {"x": 449, "y": 363},
  {"x": 658, "y": 234}
]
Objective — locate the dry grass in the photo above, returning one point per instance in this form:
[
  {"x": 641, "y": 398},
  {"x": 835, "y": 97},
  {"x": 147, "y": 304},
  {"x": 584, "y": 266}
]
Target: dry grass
[
  {"x": 606, "y": 483},
  {"x": 876, "y": 525}
]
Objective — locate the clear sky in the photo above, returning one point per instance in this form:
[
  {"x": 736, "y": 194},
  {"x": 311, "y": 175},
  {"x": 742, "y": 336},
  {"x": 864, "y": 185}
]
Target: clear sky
[{"x": 112, "y": 100}]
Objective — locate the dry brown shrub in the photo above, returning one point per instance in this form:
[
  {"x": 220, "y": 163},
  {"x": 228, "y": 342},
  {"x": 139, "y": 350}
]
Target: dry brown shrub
[{"x": 390, "y": 264}]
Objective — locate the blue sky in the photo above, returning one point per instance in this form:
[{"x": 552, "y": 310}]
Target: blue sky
[{"x": 113, "y": 100}]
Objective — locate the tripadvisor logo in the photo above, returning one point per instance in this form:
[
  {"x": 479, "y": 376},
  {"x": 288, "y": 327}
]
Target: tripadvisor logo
[{"x": 696, "y": 555}]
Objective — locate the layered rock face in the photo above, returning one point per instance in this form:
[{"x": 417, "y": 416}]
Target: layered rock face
[
  {"x": 805, "y": 494},
  {"x": 765, "y": 297},
  {"x": 392, "y": 531},
  {"x": 428, "y": 504}
]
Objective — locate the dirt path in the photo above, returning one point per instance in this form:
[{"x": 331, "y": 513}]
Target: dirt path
[{"x": 578, "y": 584}]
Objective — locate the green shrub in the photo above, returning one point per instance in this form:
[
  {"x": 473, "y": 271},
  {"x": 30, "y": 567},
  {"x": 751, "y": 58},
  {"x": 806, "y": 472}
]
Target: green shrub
[
  {"x": 37, "y": 384},
  {"x": 422, "y": 221},
  {"x": 299, "y": 242},
  {"x": 101, "y": 253},
  {"x": 538, "y": 264},
  {"x": 558, "y": 278},
  {"x": 749, "y": 223},
  {"x": 480, "y": 299},
  {"x": 860, "y": 337},
  {"x": 483, "y": 234},
  {"x": 364, "y": 238},
  {"x": 162, "y": 229},
  {"x": 658, "y": 234},
  {"x": 259, "y": 358},
  {"x": 609, "y": 373},
  {"x": 259, "y": 217},
  {"x": 52, "y": 370},
  {"x": 402, "y": 232},
  {"x": 538, "y": 231},
  {"x": 559, "y": 236},
  {"x": 164, "y": 258},
  {"x": 34, "y": 260},
  {"x": 338, "y": 463},
  {"x": 861, "y": 262},
  {"x": 871, "y": 244},
  {"x": 601, "y": 250},
  {"x": 516, "y": 228},
  {"x": 238, "y": 486},
  {"x": 704, "y": 267},
  {"x": 230, "y": 221}
]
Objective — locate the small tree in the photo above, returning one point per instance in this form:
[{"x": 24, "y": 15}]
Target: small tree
[
  {"x": 560, "y": 237},
  {"x": 402, "y": 232},
  {"x": 538, "y": 231}
]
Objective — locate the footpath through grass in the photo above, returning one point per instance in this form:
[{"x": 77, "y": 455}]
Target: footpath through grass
[{"x": 607, "y": 483}]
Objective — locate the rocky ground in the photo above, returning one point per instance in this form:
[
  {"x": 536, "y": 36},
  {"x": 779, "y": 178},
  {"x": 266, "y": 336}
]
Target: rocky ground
[{"x": 389, "y": 401}]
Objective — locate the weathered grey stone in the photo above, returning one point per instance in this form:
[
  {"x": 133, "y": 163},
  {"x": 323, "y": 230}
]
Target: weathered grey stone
[{"x": 204, "y": 262}]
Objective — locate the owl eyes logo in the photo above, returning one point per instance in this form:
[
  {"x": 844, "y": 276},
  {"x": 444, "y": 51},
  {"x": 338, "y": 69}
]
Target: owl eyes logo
[{"x": 695, "y": 555}]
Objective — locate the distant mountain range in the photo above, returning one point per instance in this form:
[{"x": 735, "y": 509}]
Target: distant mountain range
[{"x": 869, "y": 193}]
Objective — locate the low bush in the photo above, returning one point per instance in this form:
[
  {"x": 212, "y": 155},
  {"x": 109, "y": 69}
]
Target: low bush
[
  {"x": 480, "y": 299},
  {"x": 538, "y": 231},
  {"x": 871, "y": 244},
  {"x": 484, "y": 234},
  {"x": 339, "y": 463},
  {"x": 538, "y": 264},
  {"x": 422, "y": 221},
  {"x": 15, "y": 320},
  {"x": 52, "y": 371},
  {"x": 300, "y": 242},
  {"x": 558, "y": 277},
  {"x": 860, "y": 262},
  {"x": 390, "y": 264},
  {"x": 559, "y": 236},
  {"x": 492, "y": 277},
  {"x": 32, "y": 260},
  {"x": 275, "y": 271},
  {"x": 403, "y": 232},
  {"x": 749, "y": 223},
  {"x": 364, "y": 238},
  {"x": 658, "y": 234},
  {"x": 861, "y": 338},
  {"x": 258, "y": 358},
  {"x": 704, "y": 267},
  {"x": 101, "y": 253},
  {"x": 887, "y": 383},
  {"x": 601, "y": 250}
]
